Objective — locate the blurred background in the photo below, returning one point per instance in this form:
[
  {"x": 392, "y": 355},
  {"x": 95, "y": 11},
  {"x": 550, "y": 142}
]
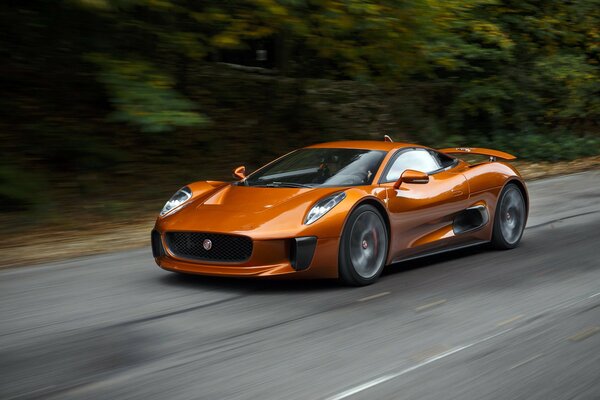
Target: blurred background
[{"x": 109, "y": 106}]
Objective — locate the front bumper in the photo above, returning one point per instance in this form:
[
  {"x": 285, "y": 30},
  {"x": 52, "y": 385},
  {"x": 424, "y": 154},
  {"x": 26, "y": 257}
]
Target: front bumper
[{"x": 307, "y": 257}]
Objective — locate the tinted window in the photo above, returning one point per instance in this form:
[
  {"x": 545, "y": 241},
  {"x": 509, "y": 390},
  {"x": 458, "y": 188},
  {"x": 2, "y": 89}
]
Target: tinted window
[
  {"x": 418, "y": 160},
  {"x": 320, "y": 167}
]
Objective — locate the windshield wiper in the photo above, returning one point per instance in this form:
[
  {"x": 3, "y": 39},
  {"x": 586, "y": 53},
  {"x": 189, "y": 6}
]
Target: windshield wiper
[{"x": 287, "y": 184}]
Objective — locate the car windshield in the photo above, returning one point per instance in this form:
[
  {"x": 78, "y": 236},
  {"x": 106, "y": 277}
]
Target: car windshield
[{"x": 320, "y": 167}]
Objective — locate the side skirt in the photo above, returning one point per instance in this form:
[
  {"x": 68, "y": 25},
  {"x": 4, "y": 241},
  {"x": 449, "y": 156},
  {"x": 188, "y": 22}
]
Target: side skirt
[{"x": 440, "y": 251}]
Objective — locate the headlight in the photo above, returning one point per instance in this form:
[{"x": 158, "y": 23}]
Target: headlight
[
  {"x": 323, "y": 206},
  {"x": 182, "y": 195}
]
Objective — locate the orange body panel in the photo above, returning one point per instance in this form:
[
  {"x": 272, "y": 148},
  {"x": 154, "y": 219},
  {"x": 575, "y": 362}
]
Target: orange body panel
[{"x": 419, "y": 216}]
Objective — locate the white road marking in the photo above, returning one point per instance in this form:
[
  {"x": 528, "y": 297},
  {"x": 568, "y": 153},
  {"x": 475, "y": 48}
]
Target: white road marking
[
  {"x": 430, "y": 352},
  {"x": 517, "y": 365},
  {"x": 374, "y": 296},
  {"x": 584, "y": 334},
  {"x": 430, "y": 305},
  {"x": 377, "y": 381},
  {"x": 385, "y": 378},
  {"x": 508, "y": 321}
]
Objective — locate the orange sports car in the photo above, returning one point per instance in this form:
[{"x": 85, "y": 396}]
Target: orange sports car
[{"x": 342, "y": 210}]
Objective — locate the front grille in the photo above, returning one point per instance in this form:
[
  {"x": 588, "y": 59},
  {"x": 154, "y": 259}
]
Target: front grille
[{"x": 223, "y": 248}]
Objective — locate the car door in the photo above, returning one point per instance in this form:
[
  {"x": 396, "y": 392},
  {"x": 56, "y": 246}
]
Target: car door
[{"x": 421, "y": 214}]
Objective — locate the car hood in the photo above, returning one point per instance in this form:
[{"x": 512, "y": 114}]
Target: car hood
[
  {"x": 266, "y": 212},
  {"x": 253, "y": 199}
]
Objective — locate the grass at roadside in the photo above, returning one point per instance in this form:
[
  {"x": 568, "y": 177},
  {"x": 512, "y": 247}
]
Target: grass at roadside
[{"x": 59, "y": 240}]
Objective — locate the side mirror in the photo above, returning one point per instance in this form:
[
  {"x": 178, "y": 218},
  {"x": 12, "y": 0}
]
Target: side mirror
[
  {"x": 239, "y": 172},
  {"x": 411, "y": 176}
]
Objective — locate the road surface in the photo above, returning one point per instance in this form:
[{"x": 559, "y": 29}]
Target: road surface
[{"x": 473, "y": 324}]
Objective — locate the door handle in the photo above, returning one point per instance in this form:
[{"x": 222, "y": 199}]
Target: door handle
[{"x": 456, "y": 193}]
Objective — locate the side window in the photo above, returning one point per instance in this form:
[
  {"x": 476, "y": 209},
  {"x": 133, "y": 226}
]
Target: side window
[
  {"x": 418, "y": 159},
  {"x": 444, "y": 160}
]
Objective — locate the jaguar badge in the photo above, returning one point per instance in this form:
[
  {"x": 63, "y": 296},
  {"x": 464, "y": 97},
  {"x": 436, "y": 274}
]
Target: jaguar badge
[{"x": 207, "y": 244}]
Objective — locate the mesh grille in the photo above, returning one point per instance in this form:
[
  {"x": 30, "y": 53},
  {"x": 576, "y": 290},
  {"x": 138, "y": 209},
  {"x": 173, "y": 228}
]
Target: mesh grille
[{"x": 223, "y": 248}]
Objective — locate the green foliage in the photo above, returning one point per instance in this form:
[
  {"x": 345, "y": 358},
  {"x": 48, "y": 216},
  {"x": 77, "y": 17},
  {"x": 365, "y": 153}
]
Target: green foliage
[
  {"x": 144, "y": 97},
  {"x": 506, "y": 66},
  {"x": 575, "y": 81},
  {"x": 543, "y": 147}
]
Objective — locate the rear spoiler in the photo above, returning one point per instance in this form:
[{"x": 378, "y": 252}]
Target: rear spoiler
[{"x": 493, "y": 154}]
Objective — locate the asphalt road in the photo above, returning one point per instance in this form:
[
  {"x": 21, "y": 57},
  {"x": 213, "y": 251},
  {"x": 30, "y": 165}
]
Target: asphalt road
[{"x": 473, "y": 324}]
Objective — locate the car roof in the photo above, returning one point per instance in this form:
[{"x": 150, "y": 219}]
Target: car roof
[{"x": 364, "y": 144}]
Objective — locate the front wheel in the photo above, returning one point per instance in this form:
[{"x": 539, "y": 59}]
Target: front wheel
[
  {"x": 510, "y": 218},
  {"x": 363, "y": 247}
]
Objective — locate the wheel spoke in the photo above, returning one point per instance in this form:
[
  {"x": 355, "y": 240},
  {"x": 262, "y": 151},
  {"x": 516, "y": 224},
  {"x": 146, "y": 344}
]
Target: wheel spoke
[
  {"x": 512, "y": 215},
  {"x": 367, "y": 244}
]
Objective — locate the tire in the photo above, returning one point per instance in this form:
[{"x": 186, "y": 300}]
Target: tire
[
  {"x": 510, "y": 218},
  {"x": 363, "y": 247}
]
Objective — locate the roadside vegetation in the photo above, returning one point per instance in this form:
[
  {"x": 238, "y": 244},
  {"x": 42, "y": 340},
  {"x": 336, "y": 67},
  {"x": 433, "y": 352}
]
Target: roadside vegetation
[{"x": 110, "y": 105}]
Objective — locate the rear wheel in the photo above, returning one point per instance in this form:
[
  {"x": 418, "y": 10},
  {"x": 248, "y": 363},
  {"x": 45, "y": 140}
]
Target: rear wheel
[
  {"x": 363, "y": 247},
  {"x": 510, "y": 219}
]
